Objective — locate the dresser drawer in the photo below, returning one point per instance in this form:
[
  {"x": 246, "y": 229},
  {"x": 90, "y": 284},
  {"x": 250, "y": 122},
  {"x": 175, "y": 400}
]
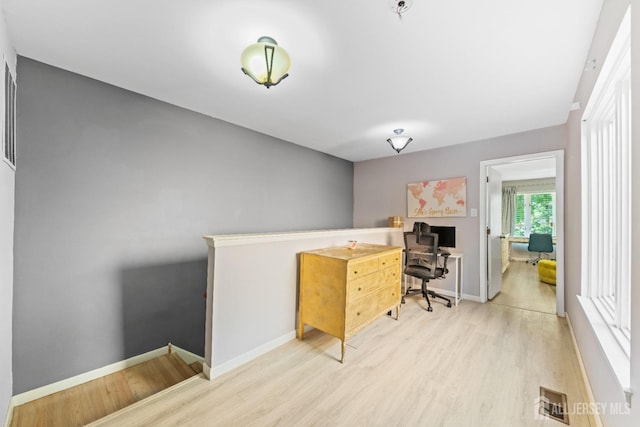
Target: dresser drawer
[
  {"x": 363, "y": 286},
  {"x": 389, "y": 260},
  {"x": 365, "y": 309},
  {"x": 360, "y": 269},
  {"x": 392, "y": 275},
  {"x": 390, "y": 297}
]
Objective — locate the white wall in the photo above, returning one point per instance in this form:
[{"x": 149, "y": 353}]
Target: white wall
[
  {"x": 601, "y": 377},
  {"x": 7, "y": 187},
  {"x": 6, "y": 283},
  {"x": 380, "y": 186}
]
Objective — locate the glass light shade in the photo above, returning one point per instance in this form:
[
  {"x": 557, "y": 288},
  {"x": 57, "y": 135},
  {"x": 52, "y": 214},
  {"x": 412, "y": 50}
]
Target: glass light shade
[
  {"x": 265, "y": 62},
  {"x": 400, "y": 6},
  {"x": 398, "y": 143}
]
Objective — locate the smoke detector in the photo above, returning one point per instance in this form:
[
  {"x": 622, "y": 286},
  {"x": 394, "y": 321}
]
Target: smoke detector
[{"x": 400, "y": 6}]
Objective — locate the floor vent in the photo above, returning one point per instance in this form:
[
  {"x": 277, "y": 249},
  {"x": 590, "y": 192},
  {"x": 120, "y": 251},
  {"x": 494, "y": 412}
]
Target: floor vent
[{"x": 553, "y": 405}]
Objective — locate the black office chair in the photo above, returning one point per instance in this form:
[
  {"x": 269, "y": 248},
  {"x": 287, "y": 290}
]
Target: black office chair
[
  {"x": 540, "y": 243},
  {"x": 421, "y": 261}
]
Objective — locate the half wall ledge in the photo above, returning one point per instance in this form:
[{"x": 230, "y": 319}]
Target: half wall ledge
[{"x": 252, "y": 289}]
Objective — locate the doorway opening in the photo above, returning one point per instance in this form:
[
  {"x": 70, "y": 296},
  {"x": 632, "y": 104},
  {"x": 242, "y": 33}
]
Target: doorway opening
[{"x": 505, "y": 275}]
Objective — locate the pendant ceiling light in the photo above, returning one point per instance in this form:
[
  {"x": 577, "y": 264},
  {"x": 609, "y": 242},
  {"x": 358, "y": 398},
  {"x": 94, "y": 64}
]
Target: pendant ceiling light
[
  {"x": 265, "y": 62},
  {"x": 399, "y": 142},
  {"x": 400, "y": 6}
]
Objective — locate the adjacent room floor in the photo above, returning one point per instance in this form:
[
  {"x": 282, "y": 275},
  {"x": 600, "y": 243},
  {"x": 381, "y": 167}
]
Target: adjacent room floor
[
  {"x": 522, "y": 288},
  {"x": 470, "y": 365}
]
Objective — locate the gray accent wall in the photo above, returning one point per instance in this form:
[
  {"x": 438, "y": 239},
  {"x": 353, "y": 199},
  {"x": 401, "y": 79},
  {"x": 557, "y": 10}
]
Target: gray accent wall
[
  {"x": 113, "y": 195},
  {"x": 380, "y": 186}
]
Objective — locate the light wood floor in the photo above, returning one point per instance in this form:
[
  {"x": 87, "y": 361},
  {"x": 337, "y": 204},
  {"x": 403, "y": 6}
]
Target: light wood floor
[
  {"x": 470, "y": 365},
  {"x": 82, "y": 404},
  {"x": 522, "y": 288}
]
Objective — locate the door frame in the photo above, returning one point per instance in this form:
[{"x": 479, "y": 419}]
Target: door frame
[
  {"x": 558, "y": 155},
  {"x": 489, "y": 237}
]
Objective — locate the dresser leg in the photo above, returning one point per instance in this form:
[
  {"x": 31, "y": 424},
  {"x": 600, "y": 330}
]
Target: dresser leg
[
  {"x": 301, "y": 330},
  {"x": 344, "y": 345}
]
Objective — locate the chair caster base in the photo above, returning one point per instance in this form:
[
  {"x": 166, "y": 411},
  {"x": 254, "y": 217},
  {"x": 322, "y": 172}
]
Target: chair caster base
[
  {"x": 449, "y": 305},
  {"x": 429, "y": 308}
]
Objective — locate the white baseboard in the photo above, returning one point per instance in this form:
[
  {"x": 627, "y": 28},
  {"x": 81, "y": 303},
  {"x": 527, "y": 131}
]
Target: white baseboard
[
  {"x": 473, "y": 298},
  {"x": 216, "y": 371},
  {"x": 449, "y": 293},
  {"x": 46, "y": 390},
  {"x": 206, "y": 370},
  {"x": 453, "y": 294},
  {"x": 583, "y": 371},
  {"x": 9, "y": 417},
  {"x": 187, "y": 356}
]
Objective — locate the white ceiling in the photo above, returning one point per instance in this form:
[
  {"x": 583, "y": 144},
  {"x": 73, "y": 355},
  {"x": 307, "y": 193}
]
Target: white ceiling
[{"x": 448, "y": 72}]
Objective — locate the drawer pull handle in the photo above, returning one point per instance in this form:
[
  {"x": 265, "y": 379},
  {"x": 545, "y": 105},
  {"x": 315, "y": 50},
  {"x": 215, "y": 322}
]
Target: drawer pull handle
[
  {"x": 359, "y": 289},
  {"x": 358, "y": 313},
  {"x": 355, "y": 272}
]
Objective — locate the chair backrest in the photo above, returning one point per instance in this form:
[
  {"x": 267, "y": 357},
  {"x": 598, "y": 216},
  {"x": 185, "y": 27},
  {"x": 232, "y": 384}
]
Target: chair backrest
[
  {"x": 421, "y": 254},
  {"x": 540, "y": 243},
  {"x": 421, "y": 227}
]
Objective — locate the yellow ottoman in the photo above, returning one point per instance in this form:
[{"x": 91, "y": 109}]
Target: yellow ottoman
[{"x": 547, "y": 271}]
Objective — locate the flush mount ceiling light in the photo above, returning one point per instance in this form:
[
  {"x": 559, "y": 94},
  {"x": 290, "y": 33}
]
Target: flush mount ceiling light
[
  {"x": 265, "y": 62},
  {"x": 398, "y": 142},
  {"x": 400, "y": 6}
]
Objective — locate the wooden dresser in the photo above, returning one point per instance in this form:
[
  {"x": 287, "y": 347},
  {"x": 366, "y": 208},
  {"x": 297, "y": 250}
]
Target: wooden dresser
[{"x": 342, "y": 290}]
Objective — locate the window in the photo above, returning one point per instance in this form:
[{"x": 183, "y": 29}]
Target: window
[
  {"x": 9, "y": 134},
  {"x": 606, "y": 204},
  {"x": 535, "y": 213}
]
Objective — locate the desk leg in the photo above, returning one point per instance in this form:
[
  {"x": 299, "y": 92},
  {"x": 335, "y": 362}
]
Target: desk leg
[
  {"x": 458, "y": 292},
  {"x": 459, "y": 280},
  {"x": 457, "y": 284}
]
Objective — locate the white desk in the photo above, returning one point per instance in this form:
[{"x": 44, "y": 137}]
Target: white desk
[{"x": 450, "y": 285}]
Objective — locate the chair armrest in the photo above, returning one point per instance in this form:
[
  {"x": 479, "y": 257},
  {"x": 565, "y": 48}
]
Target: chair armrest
[{"x": 445, "y": 255}]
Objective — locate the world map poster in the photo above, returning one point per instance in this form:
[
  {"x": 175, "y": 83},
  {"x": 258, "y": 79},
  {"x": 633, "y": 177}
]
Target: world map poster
[{"x": 441, "y": 198}]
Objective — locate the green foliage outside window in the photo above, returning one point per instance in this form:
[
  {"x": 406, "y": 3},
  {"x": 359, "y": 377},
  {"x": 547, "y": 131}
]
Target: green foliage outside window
[
  {"x": 534, "y": 214},
  {"x": 542, "y": 213}
]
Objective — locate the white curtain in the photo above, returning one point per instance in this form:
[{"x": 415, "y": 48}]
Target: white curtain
[{"x": 508, "y": 209}]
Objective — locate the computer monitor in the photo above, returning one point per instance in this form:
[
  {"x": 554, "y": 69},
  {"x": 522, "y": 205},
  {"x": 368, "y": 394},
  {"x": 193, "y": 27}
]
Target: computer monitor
[{"x": 446, "y": 235}]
